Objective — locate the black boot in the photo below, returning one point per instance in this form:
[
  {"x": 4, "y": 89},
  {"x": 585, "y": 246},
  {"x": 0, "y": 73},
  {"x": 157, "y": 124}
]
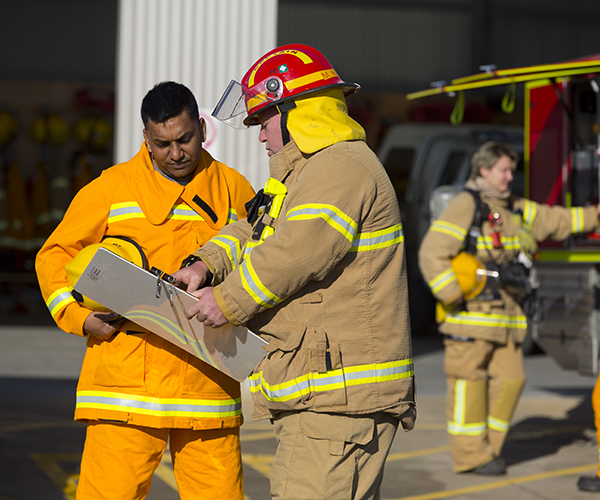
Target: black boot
[
  {"x": 495, "y": 467},
  {"x": 589, "y": 483}
]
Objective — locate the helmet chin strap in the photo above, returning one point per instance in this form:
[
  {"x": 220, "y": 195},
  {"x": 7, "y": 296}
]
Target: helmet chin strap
[{"x": 283, "y": 111}]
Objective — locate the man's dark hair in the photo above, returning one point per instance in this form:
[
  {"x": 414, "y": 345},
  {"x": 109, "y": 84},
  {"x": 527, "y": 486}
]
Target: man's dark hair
[{"x": 166, "y": 100}]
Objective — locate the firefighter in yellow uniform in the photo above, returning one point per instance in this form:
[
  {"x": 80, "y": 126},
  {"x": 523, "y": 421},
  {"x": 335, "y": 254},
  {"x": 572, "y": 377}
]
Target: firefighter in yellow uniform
[
  {"x": 469, "y": 258},
  {"x": 587, "y": 483},
  {"x": 137, "y": 391}
]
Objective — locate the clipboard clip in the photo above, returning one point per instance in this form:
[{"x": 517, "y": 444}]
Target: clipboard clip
[{"x": 160, "y": 278}]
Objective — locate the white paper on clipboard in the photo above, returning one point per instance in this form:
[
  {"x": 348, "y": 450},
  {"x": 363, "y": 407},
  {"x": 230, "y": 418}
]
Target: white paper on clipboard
[{"x": 154, "y": 304}]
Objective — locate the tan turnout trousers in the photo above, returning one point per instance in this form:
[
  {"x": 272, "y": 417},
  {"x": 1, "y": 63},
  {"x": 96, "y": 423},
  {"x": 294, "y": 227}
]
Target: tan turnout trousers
[
  {"x": 330, "y": 457},
  {"x": 484, "y": 380}
]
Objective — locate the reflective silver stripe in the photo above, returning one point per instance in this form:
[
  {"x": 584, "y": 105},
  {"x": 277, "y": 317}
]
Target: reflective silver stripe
[
  {"x": 448, "y": 228},
  {"x": 378, "y": 239},
  {"x": 233, "y": 216},
  {"x": 59, "y": 299},
  {"x": 159, "y": 407},
  {"x": 330, "y": 214},
  {"x": 482, "y": 319},
  {"x": 123, "y": 211},
  {"x": 231, "y": 246},
  {"x": 442, "y": 280},
  {"x": 254, "y": 286},
  {"x": 332, "y": 380}
]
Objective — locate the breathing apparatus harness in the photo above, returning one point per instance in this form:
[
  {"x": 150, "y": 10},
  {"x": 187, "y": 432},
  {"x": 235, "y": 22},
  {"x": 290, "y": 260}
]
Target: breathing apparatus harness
[{"x": 513, "y": 276}]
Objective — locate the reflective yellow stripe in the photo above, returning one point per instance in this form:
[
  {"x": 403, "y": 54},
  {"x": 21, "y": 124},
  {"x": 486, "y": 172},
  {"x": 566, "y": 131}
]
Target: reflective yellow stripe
[
  {"x": 509, "y": 243},
  {"x": 330, "y": 214},
  {"x": 124, "y": 211},
  {"x": 249, "y": 246},
  {"x": 184, "y": 212},
  {"x": 490, "y": 320},
  {"x": 159, "y": 407},
  {"x": 231, "y": 246},
  {"x": 317, "y": 76},
  {"x": 475, "y": 429},
  {"x": 131, "y": 210},
  {"x": 305, "y": 58},
  {"x": 442, "y": 280},
  {"x": 458, "y": 427},
  {"x": 529, "y": 214},
  {"x": 440, "y": 226},
  {"x": 233, "y": 216},
  {"x": 376, "y": 240},
  {"x": 498, "y": 424},
  {"x": 59, "y": 299},
  {"x": 332, "y": 380},
  {"x": 577, "y": 219},
  {"x": 460, "y": 396},
  {"x": 254, "y": 286}
]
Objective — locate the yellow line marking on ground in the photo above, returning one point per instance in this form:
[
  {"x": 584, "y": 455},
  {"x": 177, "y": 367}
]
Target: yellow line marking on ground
[
  {"x": 418, "y": 453},
  {"x": 67, "y": 483},
  {"x": 260, "y": 463},
  {"x": 257, "y": 436},
  {"x": 502, "y": 484}
]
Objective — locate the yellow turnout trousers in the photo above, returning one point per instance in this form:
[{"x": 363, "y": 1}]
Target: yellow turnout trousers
[
  {"x": 596, "y": 407},
  {"x": 119, "y": 460},
  {"x": 484, "y": 380}
]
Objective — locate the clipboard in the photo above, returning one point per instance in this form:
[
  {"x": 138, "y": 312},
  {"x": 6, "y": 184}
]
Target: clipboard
[{"x": 149, "y": 299}]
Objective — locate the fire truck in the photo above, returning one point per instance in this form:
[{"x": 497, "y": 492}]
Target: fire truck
[{"x": 561, "y": 164}]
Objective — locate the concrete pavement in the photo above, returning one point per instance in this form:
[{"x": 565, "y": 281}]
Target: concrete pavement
[{"x": 551, "y": 442}]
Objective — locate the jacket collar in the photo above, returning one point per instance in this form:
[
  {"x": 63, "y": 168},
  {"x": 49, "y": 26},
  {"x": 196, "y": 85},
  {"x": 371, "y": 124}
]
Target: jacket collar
[
  {"x": 285, "y": 161},
  {"x": 156, "y": 195}
]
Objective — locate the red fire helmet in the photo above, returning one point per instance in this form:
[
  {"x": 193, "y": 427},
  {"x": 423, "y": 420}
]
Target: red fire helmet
[{"x": 278, "y": 76}]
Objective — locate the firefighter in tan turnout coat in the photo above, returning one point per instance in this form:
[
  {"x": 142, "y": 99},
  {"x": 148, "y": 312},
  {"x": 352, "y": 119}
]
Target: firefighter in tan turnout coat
[
  {"x": 320, "y": 274},
  {"x": 478, "y": 310}
]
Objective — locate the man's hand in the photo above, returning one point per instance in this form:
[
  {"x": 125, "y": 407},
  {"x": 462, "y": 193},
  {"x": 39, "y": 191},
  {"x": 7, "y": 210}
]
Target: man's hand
[
  {"x": 100, "y": 324},
  {"x": 193, "y": 276},
  {"x": 206, "y": 309}
]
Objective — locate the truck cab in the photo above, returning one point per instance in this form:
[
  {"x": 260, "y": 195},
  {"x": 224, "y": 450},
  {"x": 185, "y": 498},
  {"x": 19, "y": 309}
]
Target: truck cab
[{"x": 561, "y": 152}]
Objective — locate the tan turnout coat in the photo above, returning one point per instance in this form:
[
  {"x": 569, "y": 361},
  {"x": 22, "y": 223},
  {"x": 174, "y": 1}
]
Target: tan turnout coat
[
  {"x": 490, "y": 320},
  {"x": 327, "y": 290}
]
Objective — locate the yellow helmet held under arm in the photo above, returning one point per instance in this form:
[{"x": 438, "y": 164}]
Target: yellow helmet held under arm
[
  {"x": 471, "y": 274},
  {"x": 120, "y": 245}
]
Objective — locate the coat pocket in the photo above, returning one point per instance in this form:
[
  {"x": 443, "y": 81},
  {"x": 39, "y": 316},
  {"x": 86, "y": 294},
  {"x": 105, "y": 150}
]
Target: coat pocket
[
  {"x": 326, "y": 371},
  {"x": 122, "y": 362},
  {"x": 284, "y": 337}
]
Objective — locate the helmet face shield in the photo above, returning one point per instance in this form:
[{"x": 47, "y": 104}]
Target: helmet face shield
[
  {"x": 238, "y": 101},
  {"x": 231, "y": 108}
]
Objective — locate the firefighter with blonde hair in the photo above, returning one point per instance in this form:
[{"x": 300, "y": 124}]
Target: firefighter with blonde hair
[{"x": 480, "y": 296}]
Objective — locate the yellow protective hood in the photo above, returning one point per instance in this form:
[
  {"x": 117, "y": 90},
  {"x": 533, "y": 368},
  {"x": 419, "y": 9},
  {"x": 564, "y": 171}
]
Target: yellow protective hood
[{"x": 320, "y": 120}]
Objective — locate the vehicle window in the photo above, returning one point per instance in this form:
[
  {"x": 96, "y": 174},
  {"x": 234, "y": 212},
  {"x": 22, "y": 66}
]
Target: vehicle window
[
  {"x": 398, "y": 164},
  {"x": 517, "y": 186},
  {"x": 452, "y": 167}
]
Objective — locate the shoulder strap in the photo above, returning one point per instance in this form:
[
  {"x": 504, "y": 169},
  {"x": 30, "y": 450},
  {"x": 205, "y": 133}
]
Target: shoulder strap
[{"x": 482, "y": 212}]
